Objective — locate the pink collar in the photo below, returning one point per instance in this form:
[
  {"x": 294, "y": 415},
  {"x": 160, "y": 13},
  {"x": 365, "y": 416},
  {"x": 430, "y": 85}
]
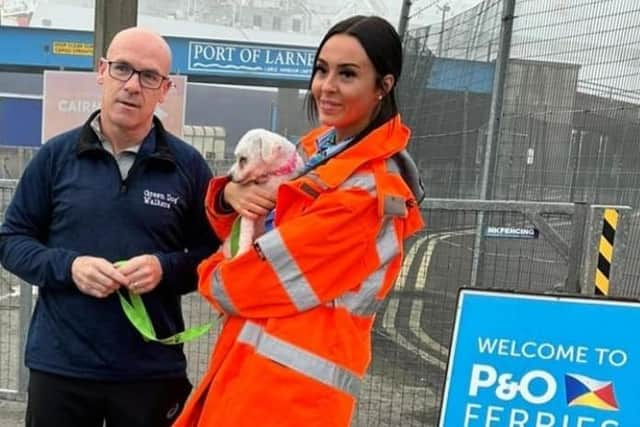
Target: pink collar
[{"x": 288, "y": 167}]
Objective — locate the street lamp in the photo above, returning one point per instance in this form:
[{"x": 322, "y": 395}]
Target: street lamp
[{"x": 444, "y": 10}]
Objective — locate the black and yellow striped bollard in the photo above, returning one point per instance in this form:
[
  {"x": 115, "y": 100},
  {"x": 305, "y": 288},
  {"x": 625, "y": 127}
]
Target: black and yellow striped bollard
[{"x": 605, "y": 251}]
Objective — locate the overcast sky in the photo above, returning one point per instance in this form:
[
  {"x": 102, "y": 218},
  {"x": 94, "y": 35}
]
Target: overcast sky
[{"x": 422, "y": 12}]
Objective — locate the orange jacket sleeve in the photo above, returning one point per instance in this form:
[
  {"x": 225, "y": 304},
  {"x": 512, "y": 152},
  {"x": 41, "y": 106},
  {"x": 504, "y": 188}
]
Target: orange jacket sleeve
[{"x": 220, "y": 222}]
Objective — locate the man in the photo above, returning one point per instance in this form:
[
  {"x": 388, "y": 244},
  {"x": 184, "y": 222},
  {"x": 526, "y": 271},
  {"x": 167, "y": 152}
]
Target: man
[{"x": 118, "y": 188}]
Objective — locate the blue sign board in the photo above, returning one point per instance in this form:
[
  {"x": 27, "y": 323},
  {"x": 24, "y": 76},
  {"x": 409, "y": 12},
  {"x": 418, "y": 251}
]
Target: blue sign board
[
  {"x": 542, "y": 361},
  {"x": 45, "y": 48},
  {"x": 461, "y": 75}
]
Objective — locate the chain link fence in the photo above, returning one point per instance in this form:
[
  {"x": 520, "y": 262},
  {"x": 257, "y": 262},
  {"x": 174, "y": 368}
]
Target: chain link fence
[
  {"x": 570, "y": 120},
  {"x": 568, "y": 124},
  {"x": 573, "y": 94},
  {"x": 445, "y": 94}
]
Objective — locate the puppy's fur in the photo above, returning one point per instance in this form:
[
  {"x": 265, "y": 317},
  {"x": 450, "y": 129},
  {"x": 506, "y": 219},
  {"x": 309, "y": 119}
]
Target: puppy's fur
[{"x": 267, "y": 159}]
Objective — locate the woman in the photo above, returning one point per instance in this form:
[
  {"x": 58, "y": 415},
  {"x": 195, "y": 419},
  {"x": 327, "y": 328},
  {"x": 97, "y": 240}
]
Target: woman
[{"x": 300, "y": 306}]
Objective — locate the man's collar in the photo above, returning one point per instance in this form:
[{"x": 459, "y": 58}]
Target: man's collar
[
  {"x": 89, "y": 139},
  {"x": 95, "y": 125}
]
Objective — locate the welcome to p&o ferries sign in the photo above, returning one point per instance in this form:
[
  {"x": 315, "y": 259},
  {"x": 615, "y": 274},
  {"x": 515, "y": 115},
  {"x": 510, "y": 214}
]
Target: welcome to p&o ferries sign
[{"x": 521, "y": 360}]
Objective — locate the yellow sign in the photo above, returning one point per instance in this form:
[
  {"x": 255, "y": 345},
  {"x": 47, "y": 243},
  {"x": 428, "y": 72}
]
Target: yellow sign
[{"x": 73, "y": 48}]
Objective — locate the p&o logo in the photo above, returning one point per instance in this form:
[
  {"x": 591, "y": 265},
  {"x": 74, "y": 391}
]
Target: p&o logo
[{"x": 585, "y": 391}]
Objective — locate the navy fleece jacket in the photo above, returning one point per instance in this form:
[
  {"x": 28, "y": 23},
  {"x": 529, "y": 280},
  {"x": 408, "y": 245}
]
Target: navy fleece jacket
[{"x": 72, "y": 201}]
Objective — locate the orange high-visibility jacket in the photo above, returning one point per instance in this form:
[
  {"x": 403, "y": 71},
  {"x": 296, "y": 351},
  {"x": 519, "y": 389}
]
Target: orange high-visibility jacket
[{"x": 299, "y": 307}]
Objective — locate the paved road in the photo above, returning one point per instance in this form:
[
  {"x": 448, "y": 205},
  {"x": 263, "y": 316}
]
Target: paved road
[{"x": 11, "y": 414}]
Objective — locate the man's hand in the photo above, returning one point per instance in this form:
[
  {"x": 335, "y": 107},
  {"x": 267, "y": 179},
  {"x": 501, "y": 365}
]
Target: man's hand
[
  {"x": 143, "y": 273},
  {"x": 96, "y": 277},
  {"x": 249, "y": 200}
]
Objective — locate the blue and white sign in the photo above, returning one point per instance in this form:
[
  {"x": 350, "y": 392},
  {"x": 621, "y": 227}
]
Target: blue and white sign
[
  {"x": 511, "y": 232},
  {"x": 242, "y": 59},
  {"x": 542, "y": 361}
]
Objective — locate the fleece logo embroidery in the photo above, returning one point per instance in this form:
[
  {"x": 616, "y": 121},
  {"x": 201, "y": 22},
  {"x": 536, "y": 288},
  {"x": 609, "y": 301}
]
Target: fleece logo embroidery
[{"x": 162, "y": 200}]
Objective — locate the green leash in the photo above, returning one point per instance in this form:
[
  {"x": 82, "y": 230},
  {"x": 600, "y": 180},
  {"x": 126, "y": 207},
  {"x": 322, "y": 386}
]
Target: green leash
[
  {"x": 234, "y": 238},
  {"x": 138, "y": 316}
]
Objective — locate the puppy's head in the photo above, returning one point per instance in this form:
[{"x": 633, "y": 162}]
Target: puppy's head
[{"x": 258, "y": 153}]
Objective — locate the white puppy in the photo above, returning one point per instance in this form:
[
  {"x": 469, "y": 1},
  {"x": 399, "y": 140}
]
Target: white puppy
[{"x": 265, "y": 158}]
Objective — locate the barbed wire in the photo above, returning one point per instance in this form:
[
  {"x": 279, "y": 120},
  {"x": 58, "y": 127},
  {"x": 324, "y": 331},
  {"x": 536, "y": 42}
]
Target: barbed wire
[{"x": 434, "y": 3}]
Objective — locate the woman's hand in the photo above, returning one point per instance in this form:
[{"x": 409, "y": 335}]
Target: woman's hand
[{"x": 249, "y": 200}]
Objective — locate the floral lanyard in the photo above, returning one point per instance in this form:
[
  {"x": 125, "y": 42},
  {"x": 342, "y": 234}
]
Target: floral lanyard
[{"x": 327, "y": 147}]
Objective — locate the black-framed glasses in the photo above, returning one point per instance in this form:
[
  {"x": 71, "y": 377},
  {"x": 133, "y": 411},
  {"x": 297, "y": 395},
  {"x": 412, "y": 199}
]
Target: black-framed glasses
[{"x": 123, "y": 71}]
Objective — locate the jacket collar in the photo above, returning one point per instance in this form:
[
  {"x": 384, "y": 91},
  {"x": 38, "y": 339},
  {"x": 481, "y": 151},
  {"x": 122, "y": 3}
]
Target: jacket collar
[
  {"x": 382, "y": 143},
  {"x": 154, "y": 144}
]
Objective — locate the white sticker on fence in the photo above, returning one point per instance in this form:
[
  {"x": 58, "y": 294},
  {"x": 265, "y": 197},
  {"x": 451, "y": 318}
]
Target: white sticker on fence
[{"x": 511, "y": 232}]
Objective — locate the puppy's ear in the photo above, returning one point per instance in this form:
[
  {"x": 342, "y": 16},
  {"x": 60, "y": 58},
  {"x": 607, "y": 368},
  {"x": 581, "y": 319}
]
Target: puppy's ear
[{"x": 266, "y": 148}]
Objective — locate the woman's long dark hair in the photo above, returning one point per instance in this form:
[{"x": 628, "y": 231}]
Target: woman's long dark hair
[{"x": 383, "y": 46}]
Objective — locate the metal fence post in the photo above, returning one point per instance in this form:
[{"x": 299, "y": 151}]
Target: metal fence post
[
  {"x": 26, "y": 305},
  {"x": 495, "y": 112},
  {"x": 493, "y": 126},
  {"x": 404, "y": 18},
  {"x": 577, "y": 247}
]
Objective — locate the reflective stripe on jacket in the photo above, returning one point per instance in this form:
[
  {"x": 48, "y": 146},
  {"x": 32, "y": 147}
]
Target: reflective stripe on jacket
[{"x": 299, "y": 308}]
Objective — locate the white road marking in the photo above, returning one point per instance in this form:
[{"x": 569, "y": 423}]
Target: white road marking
[
  {"x": 388, "y": 323},
  {"x": 414, "y": 325},
  {"x": 417, "y": 305},
  {"x": 421, "y": 277},
  {"x": 408, "y": 260}
]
